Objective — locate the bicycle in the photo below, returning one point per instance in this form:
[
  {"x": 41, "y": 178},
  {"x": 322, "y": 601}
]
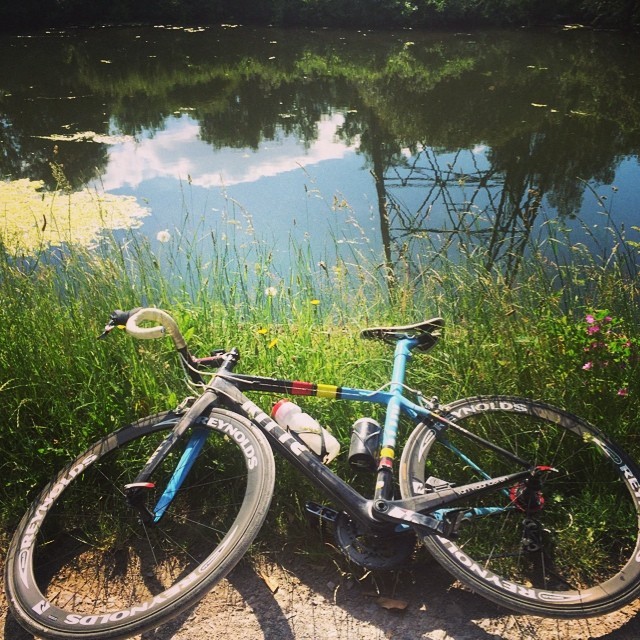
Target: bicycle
[{"x": 526, "y": 504}]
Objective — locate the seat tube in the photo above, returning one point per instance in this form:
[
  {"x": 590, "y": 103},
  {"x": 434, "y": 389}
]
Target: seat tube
[{"x": 384, "y": 484}]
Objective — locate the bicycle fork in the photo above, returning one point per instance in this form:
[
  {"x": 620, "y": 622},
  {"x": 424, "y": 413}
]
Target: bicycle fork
[{"x": 136, "y": 492}]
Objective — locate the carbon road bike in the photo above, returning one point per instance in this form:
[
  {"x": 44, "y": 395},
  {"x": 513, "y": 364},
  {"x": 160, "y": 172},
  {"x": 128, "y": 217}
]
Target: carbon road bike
[{"x": 526, "y": 504}]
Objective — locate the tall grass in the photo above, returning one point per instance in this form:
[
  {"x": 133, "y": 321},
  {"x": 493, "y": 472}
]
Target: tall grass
[{"x": 61, "y": 389}]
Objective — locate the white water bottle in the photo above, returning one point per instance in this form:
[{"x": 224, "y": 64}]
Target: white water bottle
[{"x": 290, "y": 416}]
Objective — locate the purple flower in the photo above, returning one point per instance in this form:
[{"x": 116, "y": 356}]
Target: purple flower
[
  {"x": 623, "y": 392},
  {"x": 593, "y": 329},
  {"x": 587, "y": 366},
  {"x": 590, "y": 319}
]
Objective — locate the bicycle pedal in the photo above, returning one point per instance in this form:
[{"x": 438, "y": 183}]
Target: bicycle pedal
[{"x": 322, "y": 512}]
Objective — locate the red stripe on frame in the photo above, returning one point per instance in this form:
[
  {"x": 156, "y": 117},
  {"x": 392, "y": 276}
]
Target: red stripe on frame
[{"x": 299, "y": 388}]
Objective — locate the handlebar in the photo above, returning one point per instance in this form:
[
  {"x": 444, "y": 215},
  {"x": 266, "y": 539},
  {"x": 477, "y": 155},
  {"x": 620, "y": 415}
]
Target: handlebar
[
  {"x": 167, "y": 325},
  {"x": 130, "y": 321}
]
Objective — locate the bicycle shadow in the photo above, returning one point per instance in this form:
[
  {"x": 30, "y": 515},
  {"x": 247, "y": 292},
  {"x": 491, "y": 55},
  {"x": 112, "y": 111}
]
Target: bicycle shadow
[
  {"x": 436, "y": 606},
  {"x": 294, "y": 596},
  {"x": 287, "y": 595}
]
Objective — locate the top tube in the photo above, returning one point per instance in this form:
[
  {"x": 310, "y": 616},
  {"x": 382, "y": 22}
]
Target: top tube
[
  {"x": 402, "y": 353},
  {"x": 393, "y": 398}
]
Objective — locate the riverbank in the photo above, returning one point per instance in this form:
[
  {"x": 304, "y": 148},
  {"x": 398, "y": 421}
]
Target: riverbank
[
  {"x": 566, "y": 333},
  {"x": 531, "y": 333}
]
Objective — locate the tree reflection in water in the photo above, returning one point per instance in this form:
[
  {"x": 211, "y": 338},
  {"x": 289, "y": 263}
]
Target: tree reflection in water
[{"x": 469, "y": 138}]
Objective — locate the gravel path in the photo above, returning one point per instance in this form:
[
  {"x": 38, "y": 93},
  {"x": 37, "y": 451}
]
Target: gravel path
[{"x": 295, "y": 596}]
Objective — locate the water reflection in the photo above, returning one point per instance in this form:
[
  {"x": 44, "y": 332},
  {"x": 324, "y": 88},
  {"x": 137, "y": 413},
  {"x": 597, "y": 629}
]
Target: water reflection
[
  {"x": 177, "y": 151},
  {"x": 473, "y": 138}
]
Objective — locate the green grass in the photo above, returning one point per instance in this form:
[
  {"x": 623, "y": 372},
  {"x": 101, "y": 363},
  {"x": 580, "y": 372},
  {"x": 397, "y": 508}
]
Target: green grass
[{"x": 61, "y": 389}]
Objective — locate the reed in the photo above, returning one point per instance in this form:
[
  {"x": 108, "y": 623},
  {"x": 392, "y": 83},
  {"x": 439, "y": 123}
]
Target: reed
[{"x": 523, "y": 333}]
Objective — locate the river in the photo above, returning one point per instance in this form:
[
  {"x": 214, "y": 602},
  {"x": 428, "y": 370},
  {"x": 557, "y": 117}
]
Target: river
[{"x": 377, "y": 144}]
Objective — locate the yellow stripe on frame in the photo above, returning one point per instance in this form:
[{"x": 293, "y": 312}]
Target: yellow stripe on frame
[
  {"x": 387, "y": 452},
  {"x": 327, "y": 391}
]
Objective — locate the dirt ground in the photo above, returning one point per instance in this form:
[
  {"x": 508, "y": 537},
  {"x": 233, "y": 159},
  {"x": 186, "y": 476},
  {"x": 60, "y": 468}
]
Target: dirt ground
[{"x": 292, "y": 595}]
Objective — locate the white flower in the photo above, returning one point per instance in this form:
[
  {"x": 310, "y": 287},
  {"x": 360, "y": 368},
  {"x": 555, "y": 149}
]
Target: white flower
[
  {"x": 163, "y": 236},
  {"x": 271, "y": 292}
]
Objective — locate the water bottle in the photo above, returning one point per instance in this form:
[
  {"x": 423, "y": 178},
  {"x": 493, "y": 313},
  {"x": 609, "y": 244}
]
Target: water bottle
[{"x": 290, "y": 416}]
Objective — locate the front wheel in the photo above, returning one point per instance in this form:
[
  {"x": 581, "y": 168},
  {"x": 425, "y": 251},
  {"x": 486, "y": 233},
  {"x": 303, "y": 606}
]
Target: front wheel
[
  {"x": 565, "y": 545},
  {"x": 83, "y": 564}
]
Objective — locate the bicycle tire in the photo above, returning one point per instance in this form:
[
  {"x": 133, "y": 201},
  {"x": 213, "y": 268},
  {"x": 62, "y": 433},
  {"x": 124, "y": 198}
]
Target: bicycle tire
[
  {"x": 571, "y": 550},
  {"x": 82, "y": 565}
]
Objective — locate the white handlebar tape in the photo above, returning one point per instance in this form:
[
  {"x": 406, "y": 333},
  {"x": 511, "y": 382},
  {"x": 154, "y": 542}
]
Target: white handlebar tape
[{"x": 167, "y": 325}]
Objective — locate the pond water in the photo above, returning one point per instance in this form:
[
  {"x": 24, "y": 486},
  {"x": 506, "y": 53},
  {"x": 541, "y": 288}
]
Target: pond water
[{"x": 377, "y": 143}]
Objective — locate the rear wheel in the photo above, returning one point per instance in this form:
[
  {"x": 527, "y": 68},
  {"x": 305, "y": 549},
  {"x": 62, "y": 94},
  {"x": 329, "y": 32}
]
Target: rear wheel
[
  {"x": 566, "y": 545},
  {"x": 82, "y": 564}
]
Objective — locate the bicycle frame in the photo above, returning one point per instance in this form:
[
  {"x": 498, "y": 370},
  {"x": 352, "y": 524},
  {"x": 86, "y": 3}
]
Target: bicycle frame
[
  {"x": 511, "y": 538},
  {"x": 226, "y": 388}
]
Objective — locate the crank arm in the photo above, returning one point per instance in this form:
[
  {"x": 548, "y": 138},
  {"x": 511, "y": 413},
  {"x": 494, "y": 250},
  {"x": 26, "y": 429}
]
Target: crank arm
[{"x": 390, "y": 511}]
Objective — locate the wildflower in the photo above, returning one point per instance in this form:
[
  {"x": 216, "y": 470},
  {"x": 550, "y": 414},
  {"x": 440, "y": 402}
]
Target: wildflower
[
  {"x": 163, "y": 236},
  {"x": 623, "y": 392},
  {"x": 271, "y": 292},
  {"x": 262, "y": 331},
  {"x": 590, "y": 319},
  {"x": 587, "y": 365},
  {"x": 593, "y": 329},
  {"x": 273, "y": 343},
  {"x": 315, "y": 302}
]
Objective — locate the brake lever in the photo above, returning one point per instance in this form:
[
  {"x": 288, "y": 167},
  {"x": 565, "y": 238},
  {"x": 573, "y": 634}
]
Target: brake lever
[{"x": 118, "y": 319}]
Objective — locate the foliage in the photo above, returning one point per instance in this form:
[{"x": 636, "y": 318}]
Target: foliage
[
  {"x": 61, "y": 389},
  {"x": 610, "y": 355},
  {"x": 363, "y": 13},
  {"x": 611, "y": 12}
]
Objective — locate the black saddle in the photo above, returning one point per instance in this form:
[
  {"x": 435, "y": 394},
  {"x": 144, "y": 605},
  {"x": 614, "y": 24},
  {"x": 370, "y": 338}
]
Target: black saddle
[{"x": 427, "y": 333}]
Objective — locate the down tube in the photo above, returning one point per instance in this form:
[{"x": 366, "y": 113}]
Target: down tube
[{"x": 308, "y": 464}]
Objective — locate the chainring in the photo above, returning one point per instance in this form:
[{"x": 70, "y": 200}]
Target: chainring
[{"x": 377, "y": 552}]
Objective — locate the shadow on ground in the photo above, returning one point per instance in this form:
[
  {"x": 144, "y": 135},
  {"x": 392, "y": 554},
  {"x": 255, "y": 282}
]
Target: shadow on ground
[{"x": 295, "y": 596}]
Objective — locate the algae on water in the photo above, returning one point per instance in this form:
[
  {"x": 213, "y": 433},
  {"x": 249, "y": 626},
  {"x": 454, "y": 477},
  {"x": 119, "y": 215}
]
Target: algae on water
[{"x": 31, "y": 217}]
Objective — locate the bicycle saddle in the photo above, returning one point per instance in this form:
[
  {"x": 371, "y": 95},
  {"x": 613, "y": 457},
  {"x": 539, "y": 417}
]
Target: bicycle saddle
[{"x": 427, "y": 333}]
